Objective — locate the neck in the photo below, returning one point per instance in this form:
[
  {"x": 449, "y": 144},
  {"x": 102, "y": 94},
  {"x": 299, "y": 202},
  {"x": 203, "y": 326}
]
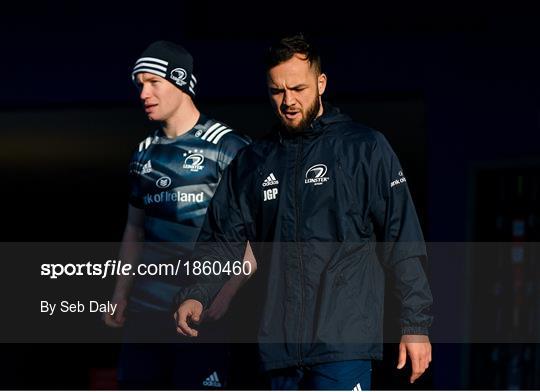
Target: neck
[
  {"x": 182, "y": 121},
  {"x": 321, "y": 109}
]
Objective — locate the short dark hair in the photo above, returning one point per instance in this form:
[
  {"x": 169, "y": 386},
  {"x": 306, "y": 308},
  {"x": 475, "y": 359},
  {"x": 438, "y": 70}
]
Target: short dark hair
[{"x": 287, "y": 47}]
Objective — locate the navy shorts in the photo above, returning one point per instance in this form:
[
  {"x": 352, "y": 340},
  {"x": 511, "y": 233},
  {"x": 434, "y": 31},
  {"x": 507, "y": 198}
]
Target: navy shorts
[
  {"x": 175, "y": 362},
  {"x": 354, "y": 375}
]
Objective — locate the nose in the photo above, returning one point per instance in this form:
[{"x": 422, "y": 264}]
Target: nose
[
  {"x": 144, "y": 93},
  {"x": 288, "y": 98}
]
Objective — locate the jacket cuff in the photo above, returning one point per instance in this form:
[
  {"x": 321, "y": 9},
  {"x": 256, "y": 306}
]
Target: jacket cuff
[
  {"x": 187, "y": 293},
  {"x": 414, "y": 330}
]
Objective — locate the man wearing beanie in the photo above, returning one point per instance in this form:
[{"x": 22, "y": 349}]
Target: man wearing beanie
[{"x": 173, "y": 175}]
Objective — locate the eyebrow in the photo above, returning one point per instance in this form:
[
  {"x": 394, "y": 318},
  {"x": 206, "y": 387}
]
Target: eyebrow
[
  {"x": 274, "y": 87},
  {"x": 147, "y": 79}
]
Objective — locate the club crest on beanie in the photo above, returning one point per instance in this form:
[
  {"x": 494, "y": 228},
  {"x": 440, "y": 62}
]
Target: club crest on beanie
[{"x": 171, "y": 62}]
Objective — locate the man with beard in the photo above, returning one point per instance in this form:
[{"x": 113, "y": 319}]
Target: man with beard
[{"x": 320, "y": 193}]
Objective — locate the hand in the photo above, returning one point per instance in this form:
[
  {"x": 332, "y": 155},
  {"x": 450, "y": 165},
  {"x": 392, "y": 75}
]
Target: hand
[
  {"x": 118, "y": 318},
  {"x": 419, "y": 349},
  {"x": 189, "y": 311}
]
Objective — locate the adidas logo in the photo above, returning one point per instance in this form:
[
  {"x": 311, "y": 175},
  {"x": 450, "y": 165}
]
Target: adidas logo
[
  {"x": 357, "y": 387},
  {"x": 147, "y": 168},
  {"x": 270, "y": 180},
  {"x": 212, "y": 381}
]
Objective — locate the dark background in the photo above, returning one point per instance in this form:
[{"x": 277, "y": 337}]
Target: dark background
[{"x": 455, "y": 88}]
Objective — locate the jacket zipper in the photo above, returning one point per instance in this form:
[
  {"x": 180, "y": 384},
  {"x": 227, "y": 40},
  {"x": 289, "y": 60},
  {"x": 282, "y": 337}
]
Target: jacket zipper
[{"x": 299, "y": 247}]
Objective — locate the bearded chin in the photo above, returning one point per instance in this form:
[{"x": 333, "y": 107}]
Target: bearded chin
[{"x": 311, "y": 114}]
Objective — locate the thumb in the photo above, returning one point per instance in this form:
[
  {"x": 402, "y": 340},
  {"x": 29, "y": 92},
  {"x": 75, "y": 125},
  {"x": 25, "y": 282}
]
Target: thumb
[
  {"x": 195, "y": 316},
  {"x": 402, "y": 359}
]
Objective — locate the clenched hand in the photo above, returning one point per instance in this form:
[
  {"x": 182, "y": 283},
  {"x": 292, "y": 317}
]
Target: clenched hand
[{"x": 189, "y": 311}]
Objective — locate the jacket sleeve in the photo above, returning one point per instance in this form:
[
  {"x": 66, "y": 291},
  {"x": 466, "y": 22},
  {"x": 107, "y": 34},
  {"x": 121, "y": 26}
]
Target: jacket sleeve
[
  {"x": 222, "y": 238},
  {"x": 231, "y": 144},
  {"x": 400, "y": 238}
]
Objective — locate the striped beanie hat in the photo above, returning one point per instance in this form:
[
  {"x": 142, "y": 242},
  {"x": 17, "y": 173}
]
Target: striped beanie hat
[{"x": 170, "y": 61}]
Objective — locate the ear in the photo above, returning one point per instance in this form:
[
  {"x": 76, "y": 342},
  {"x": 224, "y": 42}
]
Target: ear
[{"x": 321, "y": 83}]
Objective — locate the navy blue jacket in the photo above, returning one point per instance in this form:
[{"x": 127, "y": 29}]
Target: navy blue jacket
[{"x": 325, "y": 211}]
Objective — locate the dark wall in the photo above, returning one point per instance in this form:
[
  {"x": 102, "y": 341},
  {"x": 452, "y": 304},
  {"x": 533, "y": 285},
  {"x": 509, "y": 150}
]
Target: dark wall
[{"x": 450, "y": 86}]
